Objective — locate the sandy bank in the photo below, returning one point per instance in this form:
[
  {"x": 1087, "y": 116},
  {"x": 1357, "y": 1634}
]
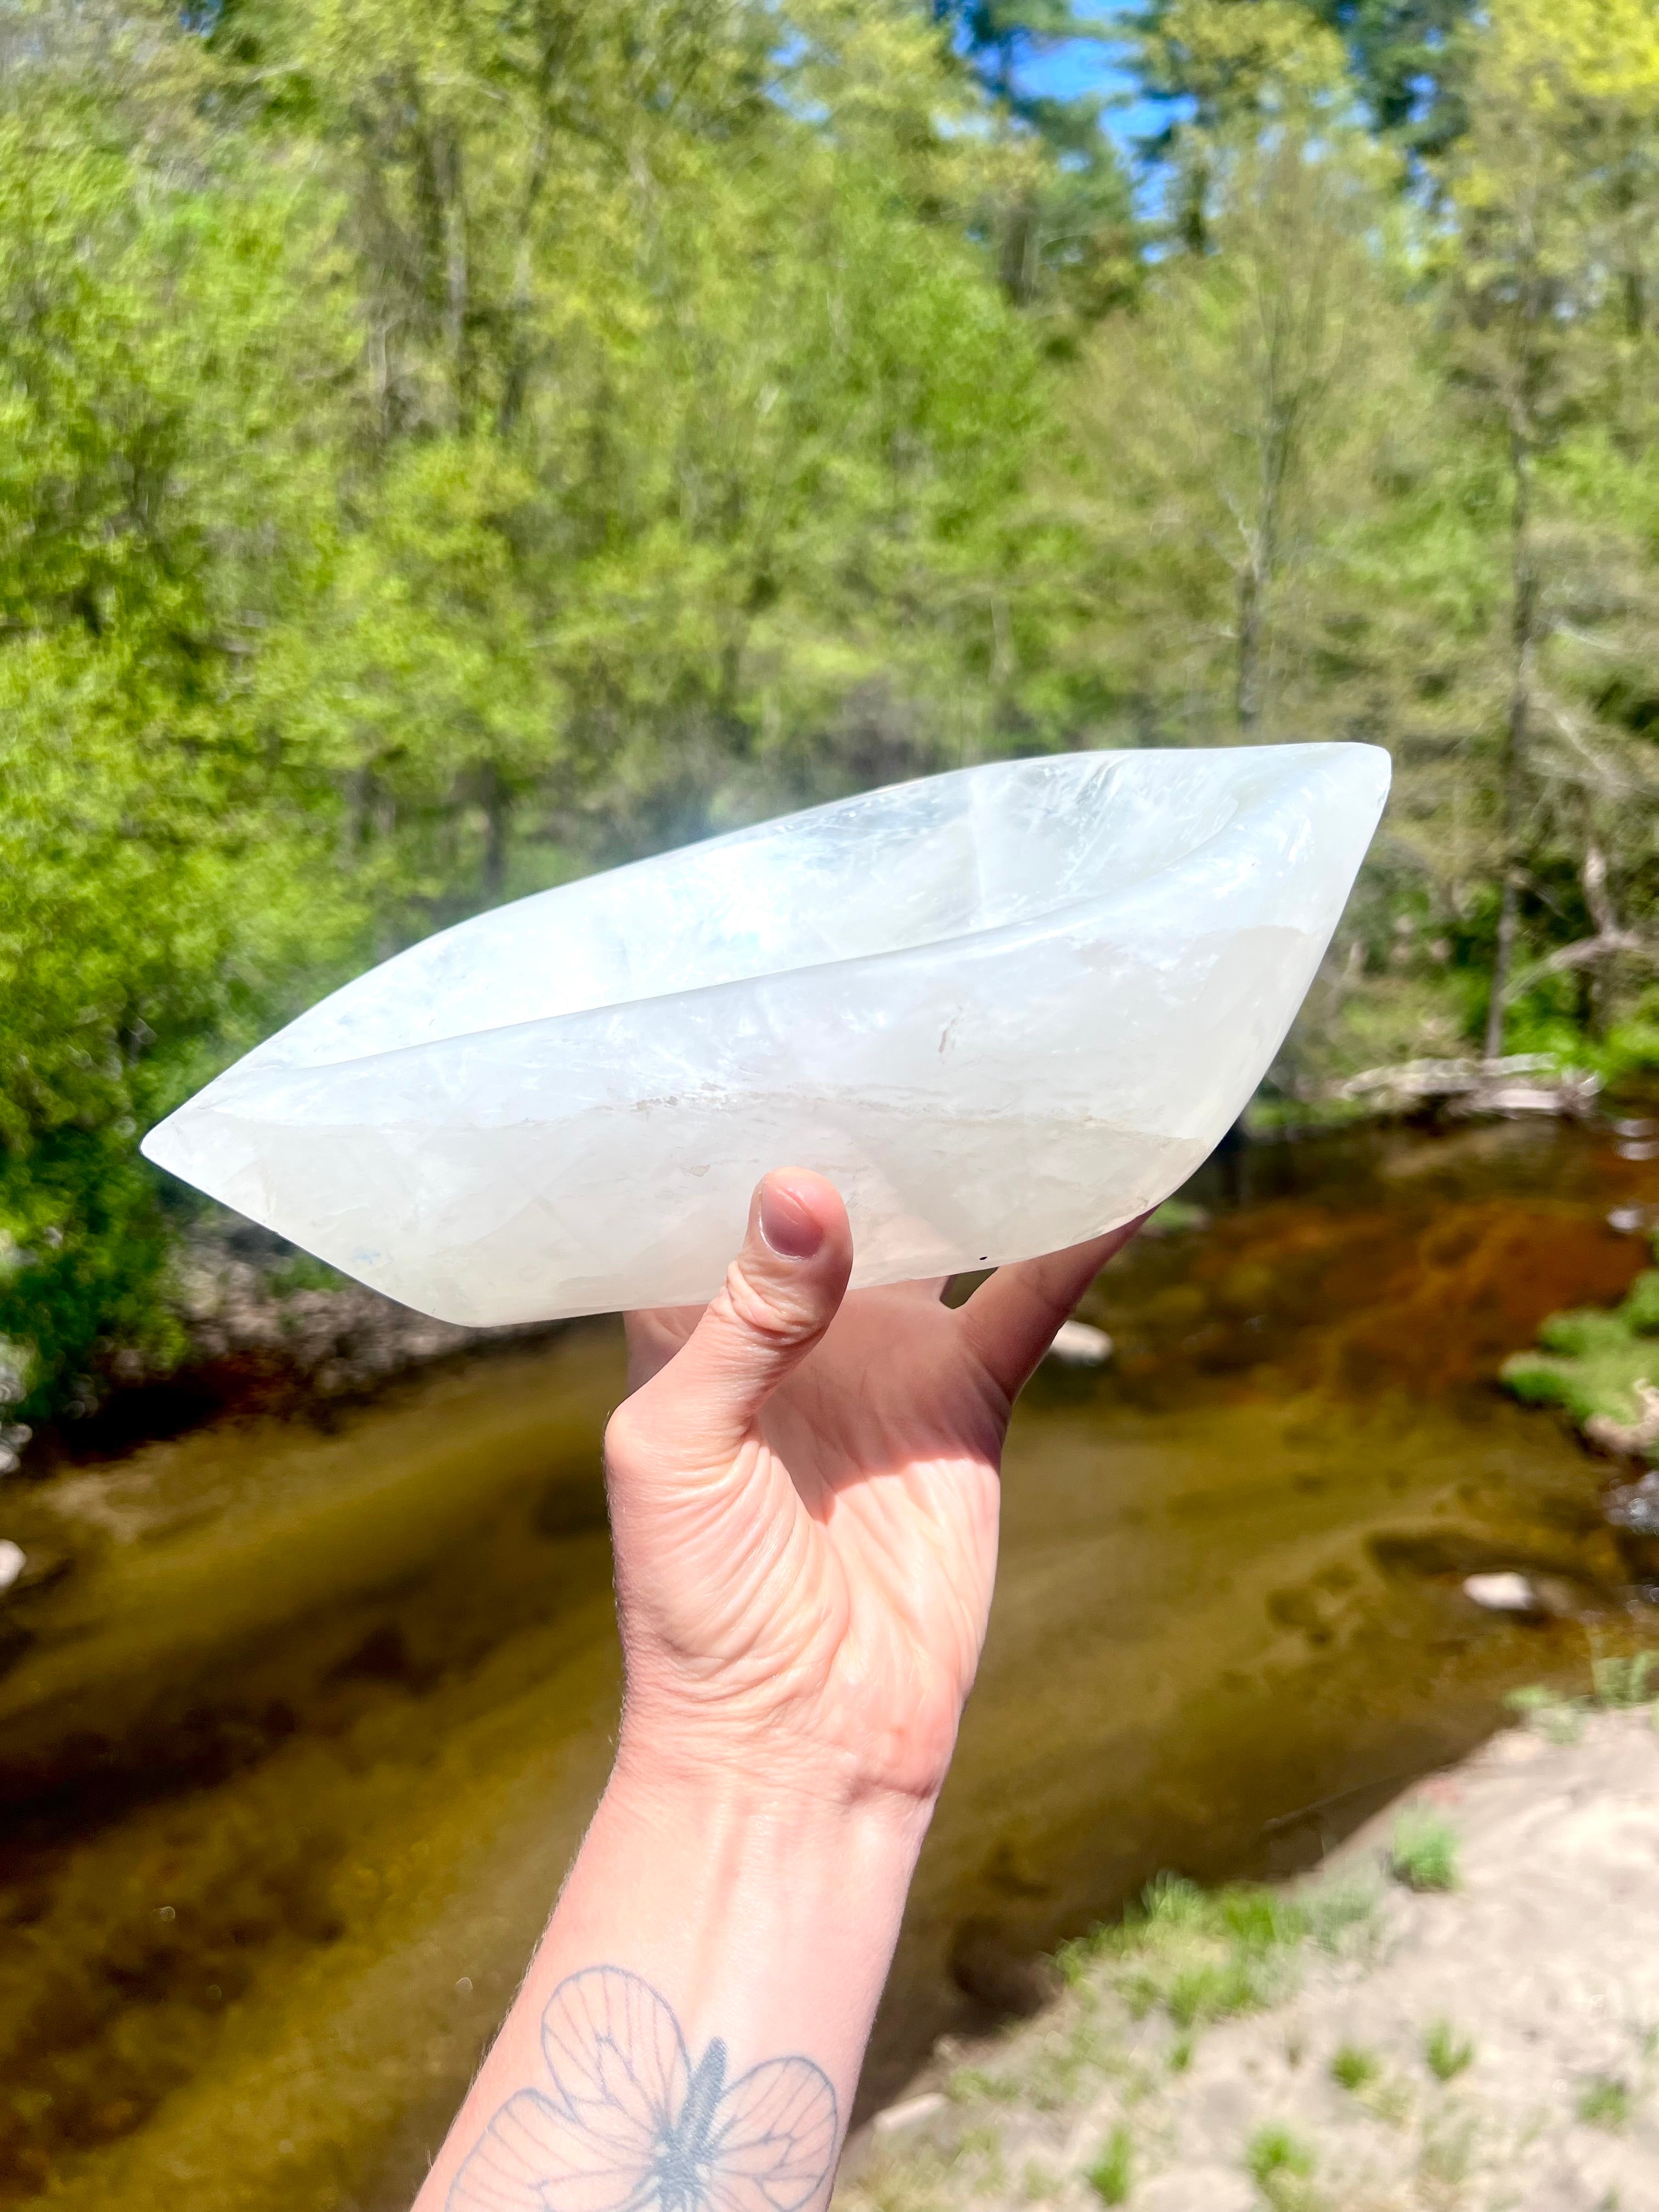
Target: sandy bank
[{"x": 1352, "y": 2045}]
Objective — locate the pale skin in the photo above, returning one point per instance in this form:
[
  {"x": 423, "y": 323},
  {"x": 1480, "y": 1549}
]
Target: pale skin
[{"x": 804, "y": 1494}]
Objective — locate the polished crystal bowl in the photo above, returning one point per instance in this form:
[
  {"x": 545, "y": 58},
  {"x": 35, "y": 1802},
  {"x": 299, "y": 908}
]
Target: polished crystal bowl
[{"x": 1002, "y": 1010}]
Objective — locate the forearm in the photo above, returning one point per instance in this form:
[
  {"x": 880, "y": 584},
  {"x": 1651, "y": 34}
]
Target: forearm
[
  {"x": 764, "y": 1918},
  {"x": 803, "y": 1506}
]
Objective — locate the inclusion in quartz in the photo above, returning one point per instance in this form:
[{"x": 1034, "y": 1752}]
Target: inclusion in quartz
[{"x": 1002, "y": 1010}]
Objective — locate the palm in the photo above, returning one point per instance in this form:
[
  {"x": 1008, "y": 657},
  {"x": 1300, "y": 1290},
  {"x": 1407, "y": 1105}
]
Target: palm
[{"x": 830, "y": 1565}]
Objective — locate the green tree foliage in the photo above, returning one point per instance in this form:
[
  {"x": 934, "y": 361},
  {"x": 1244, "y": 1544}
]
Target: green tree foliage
[
  {"x": 1233, "y": 72},
  {"x": 154, "y": 849},
  {"x": 1237, "y": 433},
  {"x": 1065, "y": 228},
  {"x": 446, "y": 447},
  {"x": 668, "y": 399},
  {"x": 1471, "y": 576},
  {"x": 1407, "y": 59},
  {"x": 449, "y": 446},
  {"x": 1552, "y": 358}
]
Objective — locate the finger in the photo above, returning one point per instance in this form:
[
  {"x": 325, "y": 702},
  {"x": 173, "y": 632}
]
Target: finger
[
  {"x": 1010, "y": 1319},
  {"x": 780, "y": 1295}
]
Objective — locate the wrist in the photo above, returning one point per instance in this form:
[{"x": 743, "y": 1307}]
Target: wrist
[
  {"x": 786, "y": 1737},
  {"x": 766, "y": 1916},
  {"x": 771, "y": 1788},
  {"x": 756, "y": 1909}
]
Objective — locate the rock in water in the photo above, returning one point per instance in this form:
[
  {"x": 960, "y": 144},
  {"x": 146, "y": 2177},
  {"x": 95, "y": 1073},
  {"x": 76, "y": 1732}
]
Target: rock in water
[
  {"x": 1003, "y": 1009},
  {"x": 13, "y": 1560},
  {"x": 1502, "y": 1592},
  {"x": 1079, "y": 1344}
]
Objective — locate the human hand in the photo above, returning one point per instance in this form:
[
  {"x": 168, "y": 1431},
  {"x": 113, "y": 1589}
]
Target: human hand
[
  {"x": 804, "y": 1503},
  {"x": 804, "y": 1492}
]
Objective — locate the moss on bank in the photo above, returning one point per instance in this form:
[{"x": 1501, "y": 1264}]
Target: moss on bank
[{"x": 1593, "y": 1365}]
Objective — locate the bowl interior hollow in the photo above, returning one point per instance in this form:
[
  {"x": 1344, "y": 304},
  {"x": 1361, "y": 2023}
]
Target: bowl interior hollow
[{"x": 888, "y": 871}]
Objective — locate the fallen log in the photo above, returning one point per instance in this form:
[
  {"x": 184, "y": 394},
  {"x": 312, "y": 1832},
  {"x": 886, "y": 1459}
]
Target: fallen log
[{"x": 1521, "y": 1084}]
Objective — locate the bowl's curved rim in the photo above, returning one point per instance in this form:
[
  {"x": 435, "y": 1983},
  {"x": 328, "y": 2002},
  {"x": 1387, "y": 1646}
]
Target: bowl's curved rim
[
  {"x": 1157, "y": 759},
  {"x": 219, "y": 1093}
]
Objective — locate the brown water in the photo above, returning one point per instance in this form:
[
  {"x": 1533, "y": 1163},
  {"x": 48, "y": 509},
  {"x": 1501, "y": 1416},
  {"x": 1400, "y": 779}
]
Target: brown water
[{"x": 297, "y": 1747}]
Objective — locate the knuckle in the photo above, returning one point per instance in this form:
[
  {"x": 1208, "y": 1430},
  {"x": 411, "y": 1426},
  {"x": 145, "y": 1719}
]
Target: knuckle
[{"x": 756, "y": 1308}]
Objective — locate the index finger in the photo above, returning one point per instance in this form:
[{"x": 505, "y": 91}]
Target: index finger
[{"x": 1010, "y": 1319}]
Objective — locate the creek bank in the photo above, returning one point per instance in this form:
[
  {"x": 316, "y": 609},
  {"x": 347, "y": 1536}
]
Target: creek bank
[
  {"x": 1459, "y": 2012},
  {"x": 262, "y": 1327},
  {"x": 339, "y": 1691},
  {"x": 258, "y": 1325},
  {"x": 1597, "y": 1366}
]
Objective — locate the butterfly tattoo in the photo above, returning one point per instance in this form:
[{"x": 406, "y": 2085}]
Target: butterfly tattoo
[{"x": 632, "y": 2125}]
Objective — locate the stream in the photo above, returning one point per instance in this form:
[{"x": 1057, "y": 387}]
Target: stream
[{"x": 301, "y": 1719}]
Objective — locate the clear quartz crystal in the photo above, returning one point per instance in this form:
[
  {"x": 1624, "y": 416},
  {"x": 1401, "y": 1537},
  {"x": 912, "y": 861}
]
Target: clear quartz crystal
[{"x": 1002, "y": 1010}]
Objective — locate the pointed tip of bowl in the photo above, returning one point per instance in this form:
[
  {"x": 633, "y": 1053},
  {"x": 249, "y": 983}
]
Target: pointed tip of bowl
[
  {"x": 1381, "y": 760},
  {"x": 1368, "y": 767},
  {"x": 163, "y": 1148}
]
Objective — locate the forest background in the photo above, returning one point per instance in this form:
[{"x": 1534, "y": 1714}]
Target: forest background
[{"x": 446, "y": 446}]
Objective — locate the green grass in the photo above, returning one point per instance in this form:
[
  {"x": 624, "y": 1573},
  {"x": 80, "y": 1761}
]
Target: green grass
[
  {"x": 1423, "y": 1853},
  {"x": 1362, "y": 2074},
  {"x": 1620, "y": 1681},
  {"x": 1197, "y": 1956},
  {"x": 1445, "y": 2052},
  {"x": 1604, "y": 2102},
  {"x": 1625, "y": 1681},
  {"x": 969, "y": 2082},
  {"x": 1274, "y": 2150},
  {"x": 1560, "y": 1719},
  {"x": 1281, "y": 2166},
  {"x": 1354, "y": 2068},
  {"x": 1112, "y": 2175}
]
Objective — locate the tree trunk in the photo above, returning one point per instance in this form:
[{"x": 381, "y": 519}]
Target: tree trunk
[
  {"x": 1260, "y": 573},
  {"x": 456, "y": 282},
  {"x": 1518, "y": 733},
  {"x": 1192, "y": 211},
  {"x": 1503, "y": 960},
  {"x": 1247, "y": 702},
  {"x": 498, "y": 822},
  {"x": 516, "y": 382},
  {"x": 354, "y": 816},
  {"x": 1017, "y": 253},
  {"x": 1604, "y": 917}
]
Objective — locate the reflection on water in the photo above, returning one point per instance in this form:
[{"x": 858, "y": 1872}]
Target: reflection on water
[{"x": 297, "y": 1743}]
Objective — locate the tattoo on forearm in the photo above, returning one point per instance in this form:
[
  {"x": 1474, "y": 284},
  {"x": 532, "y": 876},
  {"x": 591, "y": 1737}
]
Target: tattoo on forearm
[{"x": 633, "y": 2125}]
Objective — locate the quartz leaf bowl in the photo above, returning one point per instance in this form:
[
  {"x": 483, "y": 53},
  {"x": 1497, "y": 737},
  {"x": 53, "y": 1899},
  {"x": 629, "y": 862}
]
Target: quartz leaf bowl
[{"x": 1002, "y": 1009}]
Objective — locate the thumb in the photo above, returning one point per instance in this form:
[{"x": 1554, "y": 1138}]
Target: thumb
[{"x": 780, "y": 1295}]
